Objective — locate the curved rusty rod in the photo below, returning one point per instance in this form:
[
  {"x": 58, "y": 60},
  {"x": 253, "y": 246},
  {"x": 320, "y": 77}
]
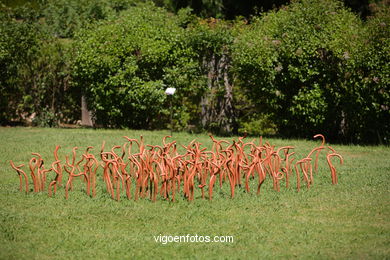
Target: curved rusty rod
[
  {"x": 73, "y": 167},
  {"x": 43, "y": 173},
  {"x": 58, "y": 170},
  {"x": 20, "y": 174},
  {"x": 58, "y": 166},
  {"x": 287, "y": 169},
  {"x": 332, "y": 168},
  {"x": 70, "y": 172},
  {"x": 34, "y": 164},
  {"x": 93, "y": 175},
  {"x": 318, "y": 151}
]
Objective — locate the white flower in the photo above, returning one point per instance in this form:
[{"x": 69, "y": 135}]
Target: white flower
[{"x": 170, "y": 91}]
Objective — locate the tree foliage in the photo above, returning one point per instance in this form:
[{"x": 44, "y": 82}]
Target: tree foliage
[
  {"x": 212, "y": 40},
  {"x": 19, "y": 43},
  {"x": 35, "y": 67},
  {"x": 121, "y": 66},
  {"x": 64, "y": 17},
  {"x": 307, "y": 67},
  {"x": 301, "y": 65}
]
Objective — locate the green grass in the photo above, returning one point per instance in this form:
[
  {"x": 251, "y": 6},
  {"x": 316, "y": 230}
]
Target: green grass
[{"x": 345, "y": 221}]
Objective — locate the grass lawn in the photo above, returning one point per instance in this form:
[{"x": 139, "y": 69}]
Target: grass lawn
[{"x": 345, "y": 221}]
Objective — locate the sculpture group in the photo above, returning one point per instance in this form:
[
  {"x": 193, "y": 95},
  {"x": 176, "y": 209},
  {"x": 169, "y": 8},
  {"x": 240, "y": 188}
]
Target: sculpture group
[{"x": 138, "y": 170}]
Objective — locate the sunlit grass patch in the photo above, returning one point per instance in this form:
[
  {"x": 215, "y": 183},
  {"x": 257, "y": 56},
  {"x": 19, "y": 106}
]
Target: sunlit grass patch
[{"x": 347, "y": 220}]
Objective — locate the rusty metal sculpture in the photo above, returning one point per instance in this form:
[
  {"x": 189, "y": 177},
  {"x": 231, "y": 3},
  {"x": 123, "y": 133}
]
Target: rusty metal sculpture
[
  {"x": 20, "y": 173},
  {"x": 161, "y": 169}
]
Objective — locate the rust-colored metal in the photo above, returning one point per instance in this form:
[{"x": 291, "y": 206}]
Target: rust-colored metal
[
  {"x": 20, "y": 174},
  {"x": 144, "y": 171},
  {"x": 331, "y": 167},
  {"x": 56, "y": 166}
]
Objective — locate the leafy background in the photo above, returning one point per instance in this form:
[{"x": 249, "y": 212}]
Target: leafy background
[{"x": 291, "y": 69}]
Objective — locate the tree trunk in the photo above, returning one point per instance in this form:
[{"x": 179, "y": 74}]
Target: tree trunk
[
  {"x": 86, "y": 115},
  {"x": 217, "y": 103}
]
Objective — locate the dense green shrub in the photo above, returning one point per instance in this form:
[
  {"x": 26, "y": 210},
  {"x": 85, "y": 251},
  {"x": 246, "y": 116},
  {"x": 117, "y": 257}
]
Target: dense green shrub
[
  {"x": 366, "y": 85},
  {"x": 125, "y": 64},
  {"x": 312, "y": 66},
  {"x": 49, "y": 83},
  {"x": 35, "y": 71},
  {"x": 19, "y": 43},
  {"x": 123, "y": 67},
  {"x": 257, "y": 125},
  {"x": 297, "y": 64},
  {"x": 211, "y": 40},
  {"x": 64, "y": 17}
]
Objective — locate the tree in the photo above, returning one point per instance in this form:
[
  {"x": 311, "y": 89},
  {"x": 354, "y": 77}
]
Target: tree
[
  {"x": 212, "y": 39},
  {"x": 18, "y": 46},
  {"x": 122, "y": 66},
  {"x": 296, "y": 65}
]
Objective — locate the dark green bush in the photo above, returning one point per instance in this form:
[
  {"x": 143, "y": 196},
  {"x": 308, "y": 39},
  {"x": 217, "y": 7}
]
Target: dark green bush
[
  {"x": 211, "y": 40},
  {"x": 312, "y": 66},
  {"x": 123, "y": 67},
  {"x": 19, "y": 43},
  {"x": 64, "y": 17},
  {"x": 302, "y": 65},
  {"x": 366, "y": 85},
  {"x": 35, "y": 71}
]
